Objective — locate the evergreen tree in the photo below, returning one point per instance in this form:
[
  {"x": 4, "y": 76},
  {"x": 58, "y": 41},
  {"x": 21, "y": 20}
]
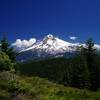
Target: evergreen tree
[
  {"x": 5, "y": 47},
  {"x": 90, "y": 54}
]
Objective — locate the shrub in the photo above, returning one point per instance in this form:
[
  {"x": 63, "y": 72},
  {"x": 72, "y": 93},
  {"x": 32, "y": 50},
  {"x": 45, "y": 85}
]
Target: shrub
[
  {"x": 5, "y": 62},
  {"x": 19, "y": 87}
]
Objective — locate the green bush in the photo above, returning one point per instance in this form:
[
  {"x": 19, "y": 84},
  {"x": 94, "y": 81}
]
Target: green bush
[
  {"x": 5, "y": 62},
  {"x": 18, "y": 86}
]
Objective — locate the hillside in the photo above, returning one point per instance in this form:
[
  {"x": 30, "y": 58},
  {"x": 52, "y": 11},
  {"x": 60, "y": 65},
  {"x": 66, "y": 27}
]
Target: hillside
[{"x": 35, "y": 88}]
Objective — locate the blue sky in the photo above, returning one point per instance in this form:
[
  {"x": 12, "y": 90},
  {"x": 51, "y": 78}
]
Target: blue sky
[{"x": 63, "y": 18}]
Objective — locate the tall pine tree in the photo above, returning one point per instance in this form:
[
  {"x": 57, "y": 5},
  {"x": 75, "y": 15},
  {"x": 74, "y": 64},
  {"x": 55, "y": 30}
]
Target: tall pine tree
[
  {"x": 91, "y": 56},
  {"x": 5, "y": 47}
]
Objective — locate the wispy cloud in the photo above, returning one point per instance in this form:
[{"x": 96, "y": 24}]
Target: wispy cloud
[{"x": 73, "y": 37}]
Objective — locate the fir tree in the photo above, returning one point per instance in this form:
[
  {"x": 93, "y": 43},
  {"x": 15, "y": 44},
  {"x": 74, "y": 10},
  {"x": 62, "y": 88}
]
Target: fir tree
[
  {"x": 5, "y": 47},
  {"x": 90, "y": 54}
]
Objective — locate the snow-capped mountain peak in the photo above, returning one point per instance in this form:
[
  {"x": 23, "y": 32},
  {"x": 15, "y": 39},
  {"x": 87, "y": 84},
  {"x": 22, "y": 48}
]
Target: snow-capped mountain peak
[
  {"x": 49, "y": 36},
  {"x": 49, "y": 46},
  {"x": 49, "y": 39},
  {"x": 52, "y": 45}
]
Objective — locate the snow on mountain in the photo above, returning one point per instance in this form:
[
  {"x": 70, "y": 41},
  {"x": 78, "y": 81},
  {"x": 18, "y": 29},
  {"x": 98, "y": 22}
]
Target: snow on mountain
[
  {"x": 48, "y": 47},
  {"x": 52, "y": 45},
  {"x": 49, "y": 44},
  {"x": 96, "y": 46}
]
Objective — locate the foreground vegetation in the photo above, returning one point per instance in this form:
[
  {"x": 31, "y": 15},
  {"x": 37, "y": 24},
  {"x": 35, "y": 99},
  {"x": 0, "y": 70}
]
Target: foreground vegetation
[{"x": 34, "y": 88}]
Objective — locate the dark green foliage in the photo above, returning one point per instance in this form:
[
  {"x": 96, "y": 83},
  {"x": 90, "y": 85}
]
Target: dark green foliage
[
  {"x": 5, "y": 47},
  {"x": 53, "y": 69},
  {"x": 80, "y": 73},
  {"x": 93, "y": 62}
]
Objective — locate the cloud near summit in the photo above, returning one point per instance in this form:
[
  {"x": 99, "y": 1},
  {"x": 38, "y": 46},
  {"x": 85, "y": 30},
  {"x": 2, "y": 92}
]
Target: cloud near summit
[{"x": 24, "y": 43}]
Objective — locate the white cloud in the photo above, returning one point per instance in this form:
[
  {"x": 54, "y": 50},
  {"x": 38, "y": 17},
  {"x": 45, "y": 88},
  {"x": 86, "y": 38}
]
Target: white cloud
[
  {"x": 73, "y": 37},
  {"x": 22, "y": 44}
]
